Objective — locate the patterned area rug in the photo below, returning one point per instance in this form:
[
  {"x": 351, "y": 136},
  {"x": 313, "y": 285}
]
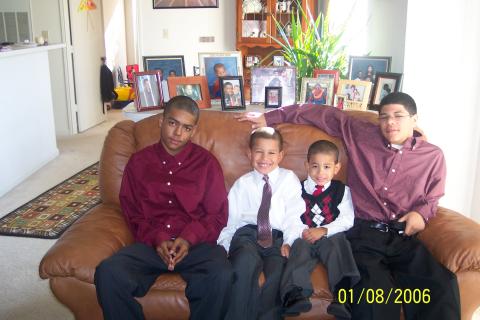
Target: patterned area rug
[{"x": 51, "y": 213}]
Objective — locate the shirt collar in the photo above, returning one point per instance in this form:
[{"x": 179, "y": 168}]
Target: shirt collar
[
  {"x": 272, "y": 176},
  {"x": 411, "y": 143},
  {"x": 179, "y": 158},
  {"x": 310, "y": 185}
]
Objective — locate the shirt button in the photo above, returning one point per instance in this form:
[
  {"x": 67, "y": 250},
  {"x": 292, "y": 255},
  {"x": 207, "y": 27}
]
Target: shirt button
[
  {"x": 170, "y": 201},
  {"x": 179, "y": 163},
  {"x": 168, "y": 226},
  {"x": 400, "y": 151},
  {"x": 168, "y": 183},
  {"x": 384, "y": 203},
  {"x": 393, "y": 216},
  {"x": 385, "y": 188},
  {"x": 393, "y": 170},
  {"x": 164, "y": 162},
  {"x": 170, "y": 172}
]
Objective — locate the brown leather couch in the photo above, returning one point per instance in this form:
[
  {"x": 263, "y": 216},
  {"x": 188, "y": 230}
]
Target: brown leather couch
[{"x": 70, "y": 263}]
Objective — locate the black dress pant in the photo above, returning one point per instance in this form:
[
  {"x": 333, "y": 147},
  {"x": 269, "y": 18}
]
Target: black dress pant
[
  {"x": 333, "y": 252},
  {"x": 387, "y": 260},
  {"x": 248, "y": 258},
  {"x": 132, "y": 271}
]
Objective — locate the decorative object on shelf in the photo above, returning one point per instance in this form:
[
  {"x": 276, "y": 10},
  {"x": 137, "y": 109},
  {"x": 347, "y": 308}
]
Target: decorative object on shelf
[
  {"x": 131, "y": 70},
  {"x": 251, "y": 61},
  {"x": 148, "y": 90},
  {"x": 385, "y": 83},
  {"x": 169, "y": 4},
  {"x": 339, "y": 101},
  {"x": 170, "y": 65},
  {"x": 233, "y": 97},
  {"x": 317, "y": 91},
  {"x": 252, "y": 6},
  {"x": 356, "y": 92},
  {"x": 194, "y": 87},
  {"x": 284, "y": 77},
  {"x": 273, "y": 97},
  {"x": 330, "y": 74},
  {"x": 278, "y": 61},
  {"x": 87, "y": 5},
  {"x": 365, "y": 67},
  {"x": 219, "y": 64},
  {"x": 196, "y": 71}
]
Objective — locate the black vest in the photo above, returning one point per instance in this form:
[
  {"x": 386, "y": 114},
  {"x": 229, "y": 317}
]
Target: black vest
[{"x": 322, "y": 209}]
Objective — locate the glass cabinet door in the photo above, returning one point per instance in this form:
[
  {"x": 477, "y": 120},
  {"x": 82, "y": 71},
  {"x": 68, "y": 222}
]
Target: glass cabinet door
[{"x": 254, "y": 21}]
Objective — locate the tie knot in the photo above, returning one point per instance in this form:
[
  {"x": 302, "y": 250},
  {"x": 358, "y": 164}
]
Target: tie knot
[
  {"x": 265, "y": 178},
  {"x": 319, "y": 187}
]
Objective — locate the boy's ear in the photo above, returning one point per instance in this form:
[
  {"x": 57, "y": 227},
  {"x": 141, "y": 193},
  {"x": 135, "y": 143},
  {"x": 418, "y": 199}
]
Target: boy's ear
[
  {"x": 337, "y": 167},
  {"x": 281, "y": 154}
]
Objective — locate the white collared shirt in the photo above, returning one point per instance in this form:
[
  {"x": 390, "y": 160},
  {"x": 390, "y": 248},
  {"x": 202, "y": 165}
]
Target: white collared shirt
[
  {"x": 287, "y": 204},
  {"x": 346, "y": 216}
]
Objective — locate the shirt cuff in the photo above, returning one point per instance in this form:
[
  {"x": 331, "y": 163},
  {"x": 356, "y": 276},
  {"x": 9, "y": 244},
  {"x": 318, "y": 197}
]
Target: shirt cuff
[{"x": 273, "y": 117}]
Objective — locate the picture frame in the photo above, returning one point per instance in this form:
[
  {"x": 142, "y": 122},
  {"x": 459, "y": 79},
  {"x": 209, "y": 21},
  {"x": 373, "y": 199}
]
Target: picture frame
[
  {"x": 356, "y": 92},
  {"x": 317, "y": 91},
  {"x": 323, "y": 73},
  {"x": 339, "y": 101},
  {"x": 365, "y": 68},
  {"x": 273, "y": 97},
  {"x": 194, "y": 87},
  {"x": 131, "y": 69},
  {"x": 167, "y": 65},
  {"x": 284, "y": 77},
  {"x": 232, "y": 94},
  {"x": 148, "y": 92},
  {"x": 251, "y": 61},
  {"x": 168, "y": 4},
  {"x": 385, "y": 83},
  {"x": 278, "y": 61},
  {"x": 211, "y": 66}
]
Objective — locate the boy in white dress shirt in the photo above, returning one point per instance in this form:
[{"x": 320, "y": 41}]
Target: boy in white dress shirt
[
  {"x": 329, "y": 212},
  {"x": 264, "y": 220}
]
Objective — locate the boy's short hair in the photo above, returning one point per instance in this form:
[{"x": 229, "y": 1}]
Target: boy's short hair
[
  {"x": 400, "y": 98},
  {"x": 325, "y": 147},
  {"x": 266, "y": 133},
  {"x": 182, "y": 103},
  {"x": 218, "y": 65}
]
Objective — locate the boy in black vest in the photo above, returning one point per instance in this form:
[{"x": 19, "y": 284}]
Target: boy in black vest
[{"x": 329, "y": 212}]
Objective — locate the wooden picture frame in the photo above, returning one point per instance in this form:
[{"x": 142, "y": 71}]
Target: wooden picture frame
[
  {"x": 356, "y": 92},
  {"x": 219, "y": 64},
  {"x": 323, "y": 73},
  {"x": 148, "y": 91},
  {"x": 317, "y": 91},
  {"x": 284, "y": 77},
  {"x": 273, "y": 97},
  {"x": 194, "y": 87},
  {"x": 169, "y": 4},
  {"x": 364, "y": 68},
  {"x": 385, "y": 83},
  {"x": 232, "y": 94}
]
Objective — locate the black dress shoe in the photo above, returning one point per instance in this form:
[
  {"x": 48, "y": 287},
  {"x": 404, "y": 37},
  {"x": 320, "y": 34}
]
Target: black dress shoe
[{"x": 295, "y": 303}]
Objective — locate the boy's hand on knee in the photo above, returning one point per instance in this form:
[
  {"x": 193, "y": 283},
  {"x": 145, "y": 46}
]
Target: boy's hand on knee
[
  {"x": 285, "y": 250},
  {"x": 415, "y": 222},
  {"x": 163, "y": 250},
  {"x": 179, "y": 250},
  {"x": 313, "y": 234}
]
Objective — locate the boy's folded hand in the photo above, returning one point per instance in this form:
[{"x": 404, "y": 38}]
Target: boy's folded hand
[
  {"x": 313, "y": 234},
  {"x": 285, "y": 250}
]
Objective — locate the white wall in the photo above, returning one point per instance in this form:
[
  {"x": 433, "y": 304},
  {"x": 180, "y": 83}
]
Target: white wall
[
  {"x": 114, "y": 30},
  {"x": 183, "y": 27},
  {"x": 441, "y": 73}
]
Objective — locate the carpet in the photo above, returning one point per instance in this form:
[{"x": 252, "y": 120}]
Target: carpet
[{"x": 51, "y": 213}]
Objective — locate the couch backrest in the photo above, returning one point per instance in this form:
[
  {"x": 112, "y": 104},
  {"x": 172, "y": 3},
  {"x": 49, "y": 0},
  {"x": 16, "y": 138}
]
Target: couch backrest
[{"x": 219, "y": 133}]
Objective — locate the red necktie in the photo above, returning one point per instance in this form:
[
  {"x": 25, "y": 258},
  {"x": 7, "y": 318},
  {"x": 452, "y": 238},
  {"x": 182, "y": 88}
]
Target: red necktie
[
  {"x": 264, "y": 236},
  {"x": 318, "y": 190}
]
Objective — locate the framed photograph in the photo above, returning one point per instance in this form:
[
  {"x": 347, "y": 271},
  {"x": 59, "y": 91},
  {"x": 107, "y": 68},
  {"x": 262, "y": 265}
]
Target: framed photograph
[
  {"x": 385, "y": 83},
  {"x": 169, "y": 4},
  {"x": 365, "y": 68},
  {"x": 194, "y": 87},
  {"x": 284, "y": 77},
  {"x": 317, "y": 91},
  {"x": 251, "y": 61},
  {"x": 196, "y": 71},
  {"x": 219, "y": 64},
  {"x": 330, "y": 74},
  {"x": 356, "y": 92},
  {"x": 169, "y": 66},
  {"x": 273, "y": 97},
  {"x": 278, "y": 61},
  {"x": 232, "y": 93},
  {"x": 148, "y": 93},
  {"x": 131, "y": 70},
  {"x": 339, "y": 101}
]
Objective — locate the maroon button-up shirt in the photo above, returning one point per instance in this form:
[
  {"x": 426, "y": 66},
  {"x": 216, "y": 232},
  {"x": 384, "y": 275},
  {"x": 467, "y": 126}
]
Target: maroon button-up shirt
[
  {"x": 386, "y": 183},
  {"x": 165, "y": 197}
]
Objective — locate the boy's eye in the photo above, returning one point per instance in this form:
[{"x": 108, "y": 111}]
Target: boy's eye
[{"x": 326, "y": 167}]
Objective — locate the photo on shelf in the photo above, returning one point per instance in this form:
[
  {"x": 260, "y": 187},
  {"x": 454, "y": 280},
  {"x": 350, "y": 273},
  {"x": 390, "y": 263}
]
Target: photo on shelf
[
  {"x": 356, "y": 92},
  {"x": 317, "y": 91},
  {"x": 365, "y": 68},
  {"x": 385, "y": 83},
  {"x": 278, "y": 61},
  {"x": 232, "y": 93},
  {"x": 329, "y": 74},
  {"x": 148, "y": 93},
  {"x": 170, "y": 66},
  {"x": 273, "y": 97},
  {"x": 284, "y": 77},
  {"x": 193, "y": 87},
  {"x": 339, "y": 101},
  {"x": 214, "y": 65}
]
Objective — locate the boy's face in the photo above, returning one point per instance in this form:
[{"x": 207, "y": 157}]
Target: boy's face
[
  {"x": 220, "y": 72},
  {"x": 228, "y": 89},
  {"x": 188, "y": 89},
  {"x": 177, "y": 128},
  {"x": 396, "y": 123},
  {"x": 236, "y": 89},
  {"x": 322, "y": 168},
  {"x": 265, "y": 155}
]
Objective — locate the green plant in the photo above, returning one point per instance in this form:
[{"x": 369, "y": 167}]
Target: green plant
[{"x": 312, "y": 47}]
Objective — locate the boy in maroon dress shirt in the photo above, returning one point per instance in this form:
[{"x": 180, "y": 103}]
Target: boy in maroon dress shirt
[
  {"x": 174, "y": 200},
  {"x": 396, "y": 179}
]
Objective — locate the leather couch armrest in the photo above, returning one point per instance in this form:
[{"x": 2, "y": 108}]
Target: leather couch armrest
[
  {"x": 454, "y": 240},
  {"x": 91, "y": 239}
]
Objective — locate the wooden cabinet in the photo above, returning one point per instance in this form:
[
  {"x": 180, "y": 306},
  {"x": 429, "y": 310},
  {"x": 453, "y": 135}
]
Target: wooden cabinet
[{"x": 256, "y": 26}]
